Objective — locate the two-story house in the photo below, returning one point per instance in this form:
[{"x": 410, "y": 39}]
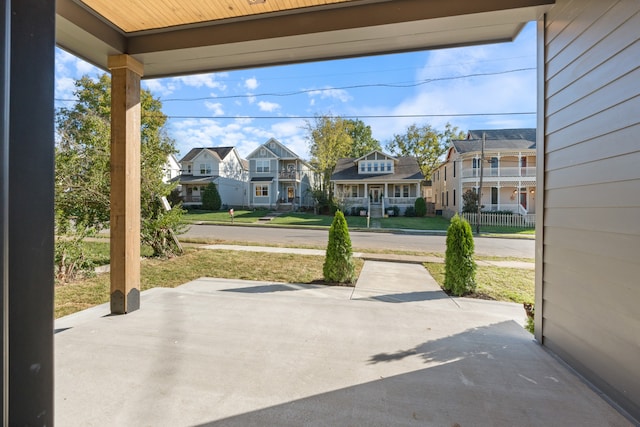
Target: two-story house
[
  {"x": 171, "y": 169},
  {"x": 221, "y": 165},
  {"x": 508, "y": 176},
  {"x": 377, "y": 181},
  {"x": 279, "y": 178}
]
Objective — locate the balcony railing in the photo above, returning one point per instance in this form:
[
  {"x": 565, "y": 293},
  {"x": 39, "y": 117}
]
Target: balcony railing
[
  {"x": 510, "y": 172},
  {"x": 289, "y": 175}
]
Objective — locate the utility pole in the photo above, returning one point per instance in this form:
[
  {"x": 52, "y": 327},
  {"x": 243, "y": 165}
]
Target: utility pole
[{"x": 480, "y": 187}]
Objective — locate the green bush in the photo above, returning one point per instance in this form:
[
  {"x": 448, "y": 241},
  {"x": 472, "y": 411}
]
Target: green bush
[
  {"x": 338, "y": 264},
  {"x": 460, "y": 268},
  {"x": 211, "y": 198},
  {"x": 410, "y": 211},
  {"x": 420, "y": 207}
]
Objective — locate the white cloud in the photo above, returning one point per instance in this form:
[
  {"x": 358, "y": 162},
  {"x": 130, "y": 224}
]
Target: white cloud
[
  {"x": 215, "y": 108},
  {"x": 328, "y": 92},
  {"x": 203, "y": 80},
  {"x": 268, "y": 106},
  {"x": 251, "y": 84},
  {"x": 162, "y": 87}
]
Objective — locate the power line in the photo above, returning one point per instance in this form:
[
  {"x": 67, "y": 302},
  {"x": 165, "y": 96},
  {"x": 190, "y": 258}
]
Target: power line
[
  {"x": 386, "y": 85},
  {"x": 381, "y": 116}
]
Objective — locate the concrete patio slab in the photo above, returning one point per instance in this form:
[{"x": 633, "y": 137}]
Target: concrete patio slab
[{"x": 219, "y": 352}]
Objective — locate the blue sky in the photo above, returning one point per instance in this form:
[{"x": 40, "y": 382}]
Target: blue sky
[{"x": 223, "y": 109}]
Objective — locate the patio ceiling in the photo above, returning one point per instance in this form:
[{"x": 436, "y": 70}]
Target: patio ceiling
[{"x": 190, "y": 36}]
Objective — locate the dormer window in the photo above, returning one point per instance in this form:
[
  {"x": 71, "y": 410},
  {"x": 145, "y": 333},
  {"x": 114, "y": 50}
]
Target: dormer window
[{"x": 370, "y": 166}]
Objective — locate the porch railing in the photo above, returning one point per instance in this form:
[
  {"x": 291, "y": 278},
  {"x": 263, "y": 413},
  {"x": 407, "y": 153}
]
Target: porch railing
[
  {"x": 511, "y": 172},
  {"x": 289, "y": 175},
  {"x": 501, "y": 220}
]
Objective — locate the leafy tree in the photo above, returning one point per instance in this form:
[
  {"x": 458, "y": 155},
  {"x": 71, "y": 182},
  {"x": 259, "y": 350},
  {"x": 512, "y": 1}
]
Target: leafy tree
[
  {"x": 460, "y": 268},
  {"x": 83, "y": 170},
  {"x": 425, "y": 143},
  {"x": 420, "y": 206},
  {"x": 211, "y": 198},
  {"x": 328, "y": 141},
  {"x": 362, "y": 140},
  {"x": 470, "y": 202},
  {"x": 338, "y": 265}
]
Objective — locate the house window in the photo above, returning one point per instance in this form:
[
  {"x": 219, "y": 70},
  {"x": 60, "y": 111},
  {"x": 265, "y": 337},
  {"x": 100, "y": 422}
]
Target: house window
[
  {"x": 447, "y": 198},
  {"x": 494, "y": 195},
  {"x": 442, "y": 197},
  {"x": 454, "y": 197},
  {"x": 262, "y": 190},
  {"x": 368, "y": 167},
  {"x": 494, "y": 166},
  {"x": 389, "y": 166},
  {"x": 445, "y": 174},
  {"x": 405, "y": 191},
  {"x": 205, "y": 169},
  {"x": 454, "y": 175},
  {"x": 262, "y": 165},
  {"x": 361, "y": 166},
  {"x": 397, "y": 191},
  {"x": 354, "y": 191},
  {"x": 375, "y": 167},
  {"x": 188, "y": 168}
]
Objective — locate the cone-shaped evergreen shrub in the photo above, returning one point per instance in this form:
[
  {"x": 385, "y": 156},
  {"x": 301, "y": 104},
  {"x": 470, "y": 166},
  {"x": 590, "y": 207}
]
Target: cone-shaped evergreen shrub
[
  {"x": 211, "y": 198},
  {"x": 460, "y": 268},
  {"x": 338, "y": 264},
  {"x": 420, "y": 206}
]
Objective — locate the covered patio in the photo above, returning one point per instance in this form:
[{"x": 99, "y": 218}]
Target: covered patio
[{"x": 157, "y": 38}]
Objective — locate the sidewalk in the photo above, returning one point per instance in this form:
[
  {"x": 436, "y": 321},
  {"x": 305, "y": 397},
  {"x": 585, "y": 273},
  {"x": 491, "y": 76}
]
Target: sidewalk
[{"x": 411, "y": 259}]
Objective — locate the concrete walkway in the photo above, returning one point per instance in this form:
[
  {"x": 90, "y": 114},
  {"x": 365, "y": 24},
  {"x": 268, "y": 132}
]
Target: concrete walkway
[{"x": 393, "y": 351}]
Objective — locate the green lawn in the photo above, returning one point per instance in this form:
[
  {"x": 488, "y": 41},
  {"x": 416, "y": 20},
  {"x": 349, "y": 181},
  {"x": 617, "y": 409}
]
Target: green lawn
[
  {"x": 242, "y": 216},
  {"x": 496, "y": 283},
  {"x": 310, "y": 220}
]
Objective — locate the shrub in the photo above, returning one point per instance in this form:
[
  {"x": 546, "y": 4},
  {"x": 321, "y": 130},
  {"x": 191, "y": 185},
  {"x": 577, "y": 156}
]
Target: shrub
[
  {"x": 396, "y": 210},
  {"x": 338, "y": 264},
  {"x": 470, "y": 202},
  {"x": 460, "y": 268},
  {"x": 420, "y": 207},
  {"x": 410, "y": 211},
  {"x": 211, "y": 198}
]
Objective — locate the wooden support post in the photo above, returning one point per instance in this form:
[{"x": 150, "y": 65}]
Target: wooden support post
[{"x": 125, "y": 183}]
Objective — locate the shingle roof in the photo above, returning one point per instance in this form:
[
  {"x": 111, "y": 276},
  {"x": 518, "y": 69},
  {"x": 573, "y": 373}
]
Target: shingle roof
[
  {"x": 406, "y": 168},
  {"x": 466, "y": 146},
  {"x": 527, "y": 134},
  {"x": 221, "y": 152}
]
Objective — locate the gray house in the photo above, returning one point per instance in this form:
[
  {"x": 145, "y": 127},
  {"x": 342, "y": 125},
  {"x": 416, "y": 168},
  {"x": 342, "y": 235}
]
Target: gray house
[{"x": 279, "y": 178}]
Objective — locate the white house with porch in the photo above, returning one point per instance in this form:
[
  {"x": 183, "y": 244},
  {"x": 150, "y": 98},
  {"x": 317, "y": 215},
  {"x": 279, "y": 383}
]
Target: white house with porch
[
  {"x": 221, "y": 165},
  {"x": 377, "y": 181},
  {"x": 508, "y": 177},
  {"x": 279, "y": 178}
]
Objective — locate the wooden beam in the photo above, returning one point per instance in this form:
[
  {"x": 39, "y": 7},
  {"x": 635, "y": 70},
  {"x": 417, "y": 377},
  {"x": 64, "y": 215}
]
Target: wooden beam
[{"x": 125, "y": 183}]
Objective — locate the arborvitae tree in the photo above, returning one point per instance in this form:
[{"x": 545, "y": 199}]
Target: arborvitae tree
[
  {"x": 338, "y": 264},
  {"x": 211, "y": 198},
  {"x": 460, "y": 268},
  {"x": 420, "y": 206}
]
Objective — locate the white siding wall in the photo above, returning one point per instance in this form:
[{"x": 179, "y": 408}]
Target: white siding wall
[{"x": 588, "y": 273}]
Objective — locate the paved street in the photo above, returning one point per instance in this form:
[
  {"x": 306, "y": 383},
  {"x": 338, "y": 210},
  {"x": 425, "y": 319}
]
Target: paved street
[{"x": 361, "y": 240}]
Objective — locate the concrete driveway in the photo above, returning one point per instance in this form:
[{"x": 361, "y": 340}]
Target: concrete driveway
[{"x": 393, "y": 351}]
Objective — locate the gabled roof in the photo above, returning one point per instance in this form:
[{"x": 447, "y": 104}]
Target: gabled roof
[
  {"x": 406, "y": 168},
  {"x": 388, "y": 156},
  {"x": 526, "y": 134},
  {"x": 219, "y": 152}
]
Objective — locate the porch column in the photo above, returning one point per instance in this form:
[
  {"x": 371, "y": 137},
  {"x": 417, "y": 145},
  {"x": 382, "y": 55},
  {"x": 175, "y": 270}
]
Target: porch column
[
  {"x": 125, "y": 183},
  {"x": 27, "y": 210}
]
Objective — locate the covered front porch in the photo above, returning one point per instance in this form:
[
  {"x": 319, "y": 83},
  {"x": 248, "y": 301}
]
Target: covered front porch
[{"x": 376, "y": 197}]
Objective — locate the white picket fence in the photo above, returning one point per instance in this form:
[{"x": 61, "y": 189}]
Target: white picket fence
[{"x": 501, "y": 220}]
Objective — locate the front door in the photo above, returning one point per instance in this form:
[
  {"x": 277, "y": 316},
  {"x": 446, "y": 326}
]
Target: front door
[
  {"x": 375, "y": 195},
  {"x": 523, "y": 197},
  {"x": 290, "y": 194}
]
